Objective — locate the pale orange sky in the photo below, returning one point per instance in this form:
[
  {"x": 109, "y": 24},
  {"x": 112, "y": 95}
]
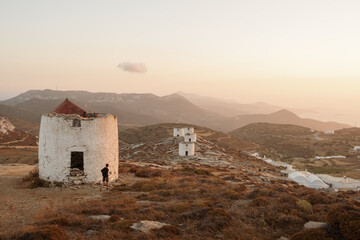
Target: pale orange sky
[{"x": 302, "y": 54}]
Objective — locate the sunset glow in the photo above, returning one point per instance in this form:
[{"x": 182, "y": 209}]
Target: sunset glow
[{"x": 297, "y": 54}]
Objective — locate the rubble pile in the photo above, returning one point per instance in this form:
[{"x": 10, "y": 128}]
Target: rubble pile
[{"x": 76, "y": 177}]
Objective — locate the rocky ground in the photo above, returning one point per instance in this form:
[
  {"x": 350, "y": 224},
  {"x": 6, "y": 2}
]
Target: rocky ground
[
  {"x": 217, "y": 194},
  {"x": 9, "y": 136},
  {"x": 21, "y": 206},
  {"x": 207, "y": 153}
]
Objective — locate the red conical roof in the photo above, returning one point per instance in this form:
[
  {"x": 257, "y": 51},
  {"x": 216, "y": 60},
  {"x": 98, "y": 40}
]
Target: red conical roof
[{"x": 67, "y": 107}]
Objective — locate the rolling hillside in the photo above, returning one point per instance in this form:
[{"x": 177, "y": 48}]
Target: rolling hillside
[
  {"x": 300, "y": 145},
  {"x": 157, "y": 132}
]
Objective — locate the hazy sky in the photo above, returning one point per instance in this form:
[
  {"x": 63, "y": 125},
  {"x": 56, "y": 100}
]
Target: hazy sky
[{"x": 294, "y": 53}]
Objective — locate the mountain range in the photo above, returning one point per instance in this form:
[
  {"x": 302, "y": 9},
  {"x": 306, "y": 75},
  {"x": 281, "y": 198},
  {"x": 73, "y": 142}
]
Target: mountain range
[{"x": 145, "y": 109}]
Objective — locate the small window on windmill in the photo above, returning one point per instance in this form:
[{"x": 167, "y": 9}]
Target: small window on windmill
[{"x": 76, "y": 123}]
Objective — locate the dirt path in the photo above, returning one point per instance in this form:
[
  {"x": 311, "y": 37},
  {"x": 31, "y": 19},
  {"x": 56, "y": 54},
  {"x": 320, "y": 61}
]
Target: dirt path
[
  {"x": 20, "y": 147},
  {"x": 222, "y": 138},
  {"x": 15, "y": 141},
  {"x": 21, "y": 206}
]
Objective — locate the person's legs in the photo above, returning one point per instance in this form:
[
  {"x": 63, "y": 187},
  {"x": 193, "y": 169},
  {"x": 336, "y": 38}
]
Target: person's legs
[{"x": 107, "y": 182}]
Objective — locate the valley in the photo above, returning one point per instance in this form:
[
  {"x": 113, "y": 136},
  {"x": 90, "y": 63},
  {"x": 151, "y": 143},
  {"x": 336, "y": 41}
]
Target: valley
[{"x": 299, "y": 146}]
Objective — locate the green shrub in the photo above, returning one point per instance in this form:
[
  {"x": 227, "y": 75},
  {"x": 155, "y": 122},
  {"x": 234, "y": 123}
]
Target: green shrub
[{"x": 304, "y": 205}]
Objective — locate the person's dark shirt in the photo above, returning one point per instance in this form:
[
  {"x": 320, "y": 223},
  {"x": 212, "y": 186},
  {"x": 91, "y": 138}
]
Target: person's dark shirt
[{"x": 105, "y": 172}]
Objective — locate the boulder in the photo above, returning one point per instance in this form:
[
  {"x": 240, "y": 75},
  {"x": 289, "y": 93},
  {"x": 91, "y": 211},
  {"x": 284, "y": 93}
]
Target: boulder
[
  {"x": 77, "y": 182},
  {"x": 100, "y": 217},
  {"x": 312, "y": 224},
  {"x": 145, "y": 226}
]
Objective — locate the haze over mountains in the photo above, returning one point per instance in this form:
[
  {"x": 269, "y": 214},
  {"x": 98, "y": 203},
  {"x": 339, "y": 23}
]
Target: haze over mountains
[
  {"x": 231, "y": 108},
  {"x": 145, "y": 109},
  {"x": 280, "y": 117}
]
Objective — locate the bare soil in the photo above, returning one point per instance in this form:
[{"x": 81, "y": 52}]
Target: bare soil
[
  {"x": 18, "y": 154},
  {"x": 21, "y": 207}
]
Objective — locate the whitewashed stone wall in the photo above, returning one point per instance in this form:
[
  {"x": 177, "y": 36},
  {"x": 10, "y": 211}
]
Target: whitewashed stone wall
[
  {"x": 178, "y": 132},
  {"x": 97, "y": 138},
  {"x": 188, "y": 130},
  {"x": 186, "y": 147},
  {"x": 190, "y": 137}
]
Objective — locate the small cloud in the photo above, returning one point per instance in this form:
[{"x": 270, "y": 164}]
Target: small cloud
[{"x": 133, "y": 67}]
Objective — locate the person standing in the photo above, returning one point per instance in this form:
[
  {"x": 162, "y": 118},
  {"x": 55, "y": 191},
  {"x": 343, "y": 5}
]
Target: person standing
[{"x": 105, "y": 174}]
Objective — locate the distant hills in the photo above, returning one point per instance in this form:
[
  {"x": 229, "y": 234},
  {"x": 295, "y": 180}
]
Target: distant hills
[
  {"x": 229, "y": 108},
  {"x": 135, "y": 110},
  {"x": 281, "y": 117},
  {"x": 131, "y": 109}
]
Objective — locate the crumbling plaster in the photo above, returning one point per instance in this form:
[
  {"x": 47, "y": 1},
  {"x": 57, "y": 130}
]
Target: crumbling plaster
[{"x": 97, "y": 138}]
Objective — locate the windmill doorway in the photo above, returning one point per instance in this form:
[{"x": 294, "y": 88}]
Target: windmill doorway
[{"x": 77, "y": 160}]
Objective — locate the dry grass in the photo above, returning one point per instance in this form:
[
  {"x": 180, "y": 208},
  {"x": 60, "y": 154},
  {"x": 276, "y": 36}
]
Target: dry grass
[
  {"x": 24, "y": 156},
  {"x": 48, "y": 232},
  {"x": 199, "y": 204},
  {"x": 147, "y": 172},
  {"x": 311, "y": 234},
  {"x": 35, "y": 181},
  {"x": 345, "y": 218},
  {"x": 33, "y": 174}
]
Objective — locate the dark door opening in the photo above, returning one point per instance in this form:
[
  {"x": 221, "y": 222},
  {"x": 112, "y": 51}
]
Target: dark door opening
[
  {"x": 186, "y": 153},
  {"x": 77, "y": 160}
]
